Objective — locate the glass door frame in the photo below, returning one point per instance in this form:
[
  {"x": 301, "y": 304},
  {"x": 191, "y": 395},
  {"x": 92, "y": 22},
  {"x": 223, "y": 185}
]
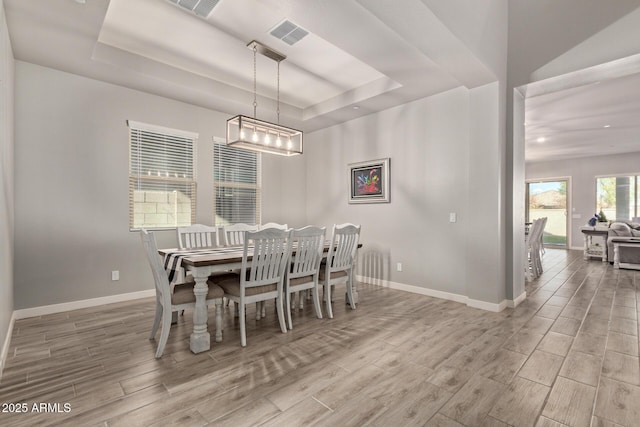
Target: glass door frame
[{"x": 569, "y": 210}]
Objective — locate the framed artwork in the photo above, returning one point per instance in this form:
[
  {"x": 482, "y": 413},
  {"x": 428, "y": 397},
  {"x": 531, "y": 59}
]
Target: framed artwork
[{"x": 369, "y": 181}]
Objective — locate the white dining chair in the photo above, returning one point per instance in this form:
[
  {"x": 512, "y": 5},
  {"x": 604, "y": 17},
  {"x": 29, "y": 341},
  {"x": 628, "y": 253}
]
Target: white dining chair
[
  {"x": 234, "y": 233},
  {"x": 262, "y": 277},
  {"x": 198, "y": 236},
  {"x": 340, "y": 261},
  {"x": 543, "y": 226},
  {"x": 533, "y": 263},
  {"x": 181, "y": 298},
  {"x": 304, "y": 269}
]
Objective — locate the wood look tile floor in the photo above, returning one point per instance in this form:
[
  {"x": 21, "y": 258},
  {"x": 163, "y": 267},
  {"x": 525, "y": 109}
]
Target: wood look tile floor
[{"x": 567, "y": 356}]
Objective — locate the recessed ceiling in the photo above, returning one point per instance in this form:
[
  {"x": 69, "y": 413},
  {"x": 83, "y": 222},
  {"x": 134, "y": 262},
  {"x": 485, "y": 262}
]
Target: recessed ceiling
[{"x": 355, "y": 52}]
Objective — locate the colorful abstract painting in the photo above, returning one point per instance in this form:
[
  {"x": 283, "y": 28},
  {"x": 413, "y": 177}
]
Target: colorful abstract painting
[{"x": 369, "y": 181}]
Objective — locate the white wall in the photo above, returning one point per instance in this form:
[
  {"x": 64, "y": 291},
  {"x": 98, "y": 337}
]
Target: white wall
[
  {"x": 6, "y": 183},
  {"x": 71, "y": 178},
  {"x": 428, "y": 142},
  {"x": 583, "y": 172},
  {"x": 71, "y": 187},
  {"x": 445, "y": 158}
]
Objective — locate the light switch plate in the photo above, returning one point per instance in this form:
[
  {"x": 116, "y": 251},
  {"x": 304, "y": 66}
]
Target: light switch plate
[{"x": 453, "y": 217}]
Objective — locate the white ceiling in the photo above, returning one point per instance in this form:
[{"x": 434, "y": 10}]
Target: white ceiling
[
  {"x": 572, "y": 121},
  {"x": 357, "y": 53},
  {"x": 366, "y": 53}
]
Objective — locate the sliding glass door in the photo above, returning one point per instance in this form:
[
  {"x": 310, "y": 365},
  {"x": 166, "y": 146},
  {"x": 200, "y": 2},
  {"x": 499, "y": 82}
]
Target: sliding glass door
[{"x": 549, "y": 199}]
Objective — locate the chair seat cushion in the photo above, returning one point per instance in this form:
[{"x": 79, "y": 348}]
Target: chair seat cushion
[
  {"x": 334, "y": 274},
  {"x": 183, "y": 293},
  {"x": 301, "y": 280},
  {"x": 230, "y": 283}
]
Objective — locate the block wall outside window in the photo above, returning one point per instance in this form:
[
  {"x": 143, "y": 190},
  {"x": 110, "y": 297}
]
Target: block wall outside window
[{"x": 162, "y": 177}]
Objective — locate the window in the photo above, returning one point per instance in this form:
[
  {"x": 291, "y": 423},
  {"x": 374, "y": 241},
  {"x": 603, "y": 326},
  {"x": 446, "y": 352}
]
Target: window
[
  {"x": 162, "y": 177},
  {"x": 617, "y": 196},
  {"x": 236, "y": 181}
]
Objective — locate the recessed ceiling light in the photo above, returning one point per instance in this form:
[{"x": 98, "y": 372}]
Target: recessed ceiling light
[
  {"x": 606, "y": 126},
  {"x": 81, "y": 1},
  {"x": 541, "y": 139},
  {"x": 356, "y": 107}
]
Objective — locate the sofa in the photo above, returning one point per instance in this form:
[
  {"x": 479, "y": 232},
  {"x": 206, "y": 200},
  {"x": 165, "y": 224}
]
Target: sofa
[{"x": 623, "y": 230}]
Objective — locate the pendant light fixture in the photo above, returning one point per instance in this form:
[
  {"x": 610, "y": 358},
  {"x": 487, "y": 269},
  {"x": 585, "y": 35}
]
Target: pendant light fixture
[{"x": 257, "y": 135}]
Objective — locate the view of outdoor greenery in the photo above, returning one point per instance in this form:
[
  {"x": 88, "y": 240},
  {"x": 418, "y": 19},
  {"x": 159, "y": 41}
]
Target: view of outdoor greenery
[
  {"x": 549, "y": 199},
  {"x": 617, "y": 196}
]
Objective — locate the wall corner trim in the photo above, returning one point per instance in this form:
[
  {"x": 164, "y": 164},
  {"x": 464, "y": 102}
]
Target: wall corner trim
[
  {"x": 75, "y": 305},
  {"x": 7, "y": 343},
  {"x": 514, "y": 303},
  {"x": 483, "y": 305}
]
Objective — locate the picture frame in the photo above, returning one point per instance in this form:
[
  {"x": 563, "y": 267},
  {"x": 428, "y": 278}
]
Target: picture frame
[{"x": 369, "y": 181}]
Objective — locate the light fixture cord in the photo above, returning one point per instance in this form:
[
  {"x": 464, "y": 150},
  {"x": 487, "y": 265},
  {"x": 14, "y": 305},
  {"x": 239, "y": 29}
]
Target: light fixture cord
[
  {"x": 278, "y": 104},
  {"x": 255, "y": 99}
]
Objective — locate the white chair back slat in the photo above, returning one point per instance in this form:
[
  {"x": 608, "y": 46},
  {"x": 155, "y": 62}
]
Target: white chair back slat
[
  {"x": 234, "y": 234},
  {"x": 198, "y": 236},
  {"x": 271, "y": 248},
  {"x": 160, "y": 278},
  {"x": 344, "y": 244},
  {"x": 309, "y": 246}
]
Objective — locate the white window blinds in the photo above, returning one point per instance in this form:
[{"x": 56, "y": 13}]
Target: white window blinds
[
  {"x": 162, "y": 177},
  {"x": 236, "y": 181}
]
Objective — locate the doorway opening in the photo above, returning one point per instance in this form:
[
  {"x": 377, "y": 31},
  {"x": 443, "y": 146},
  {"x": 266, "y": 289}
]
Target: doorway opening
[{"x": 549, "y": 198}]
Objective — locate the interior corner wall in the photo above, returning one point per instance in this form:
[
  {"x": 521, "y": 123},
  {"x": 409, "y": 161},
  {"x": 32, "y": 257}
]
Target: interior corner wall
[
  {"x": 487, "y": 222},
  {"x": 6, "y": 181},
  {"x": 583, "y": 172},
  {"x": 71, "y": 184},
  {"x": 427, "y": 142}
]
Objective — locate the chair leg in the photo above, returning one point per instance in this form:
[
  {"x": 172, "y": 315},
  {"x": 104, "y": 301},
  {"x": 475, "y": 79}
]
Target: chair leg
[
  {"x": 156, "y": 320},
  {"x": 287, "y": 303},
  {"x": 263, "y": 308},
  {"x": 316, "y": 302},
  {"x": 219, "y": 320},
  {"x": 350, "y": 295},
  {"x": 243, "y": 329},
  {"x": 164, "y": 334},
  {"x": 258, "y": 310},
  {"x": 301, "y": 298},
  {"x": 280, "y": 310},
  {"x": 327, "y": 294}
]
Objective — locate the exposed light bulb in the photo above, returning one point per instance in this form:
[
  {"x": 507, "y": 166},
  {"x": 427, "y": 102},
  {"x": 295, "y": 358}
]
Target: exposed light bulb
[
  {"x": 242, "y": 134},
  {"x": 289, "y": 144},
  {"x": 267, "y": 140},
  {"x": 278, "y": 142},
  {"x": 541, "y": 139},
  {"x": 255, "y": 136}
]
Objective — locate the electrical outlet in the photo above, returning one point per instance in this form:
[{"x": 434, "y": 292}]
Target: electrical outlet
[
  {"x": 399, "y": 266},
  {"x": 115, "y": 275},
  {"x": 453, "y": 217}
]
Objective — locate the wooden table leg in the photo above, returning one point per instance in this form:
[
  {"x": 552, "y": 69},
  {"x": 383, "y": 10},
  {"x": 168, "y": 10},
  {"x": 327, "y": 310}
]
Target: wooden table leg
[
  {"x": 585, "y": 252},
  {"x": 200, "y": 340}
]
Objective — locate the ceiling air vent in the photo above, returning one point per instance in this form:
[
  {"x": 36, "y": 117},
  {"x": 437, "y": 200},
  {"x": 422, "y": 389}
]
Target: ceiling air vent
[
  {"x": 199, "y": 7},
  {"x": 288, "y": 32}
]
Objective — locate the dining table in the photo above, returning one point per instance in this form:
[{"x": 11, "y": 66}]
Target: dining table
[{"x": 201, "y": 263}]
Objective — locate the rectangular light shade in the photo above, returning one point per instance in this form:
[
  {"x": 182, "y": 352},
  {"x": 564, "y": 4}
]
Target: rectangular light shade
[{"x": 257, "y": 135}]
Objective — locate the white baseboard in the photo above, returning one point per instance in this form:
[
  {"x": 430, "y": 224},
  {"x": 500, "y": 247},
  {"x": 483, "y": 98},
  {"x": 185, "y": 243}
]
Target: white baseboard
[
  {"x": 7, "y": 343},
  {"x": 483, "y": 305},
  {"x": 514, "y": 303},
  {"x": 75, "y": 305}
]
